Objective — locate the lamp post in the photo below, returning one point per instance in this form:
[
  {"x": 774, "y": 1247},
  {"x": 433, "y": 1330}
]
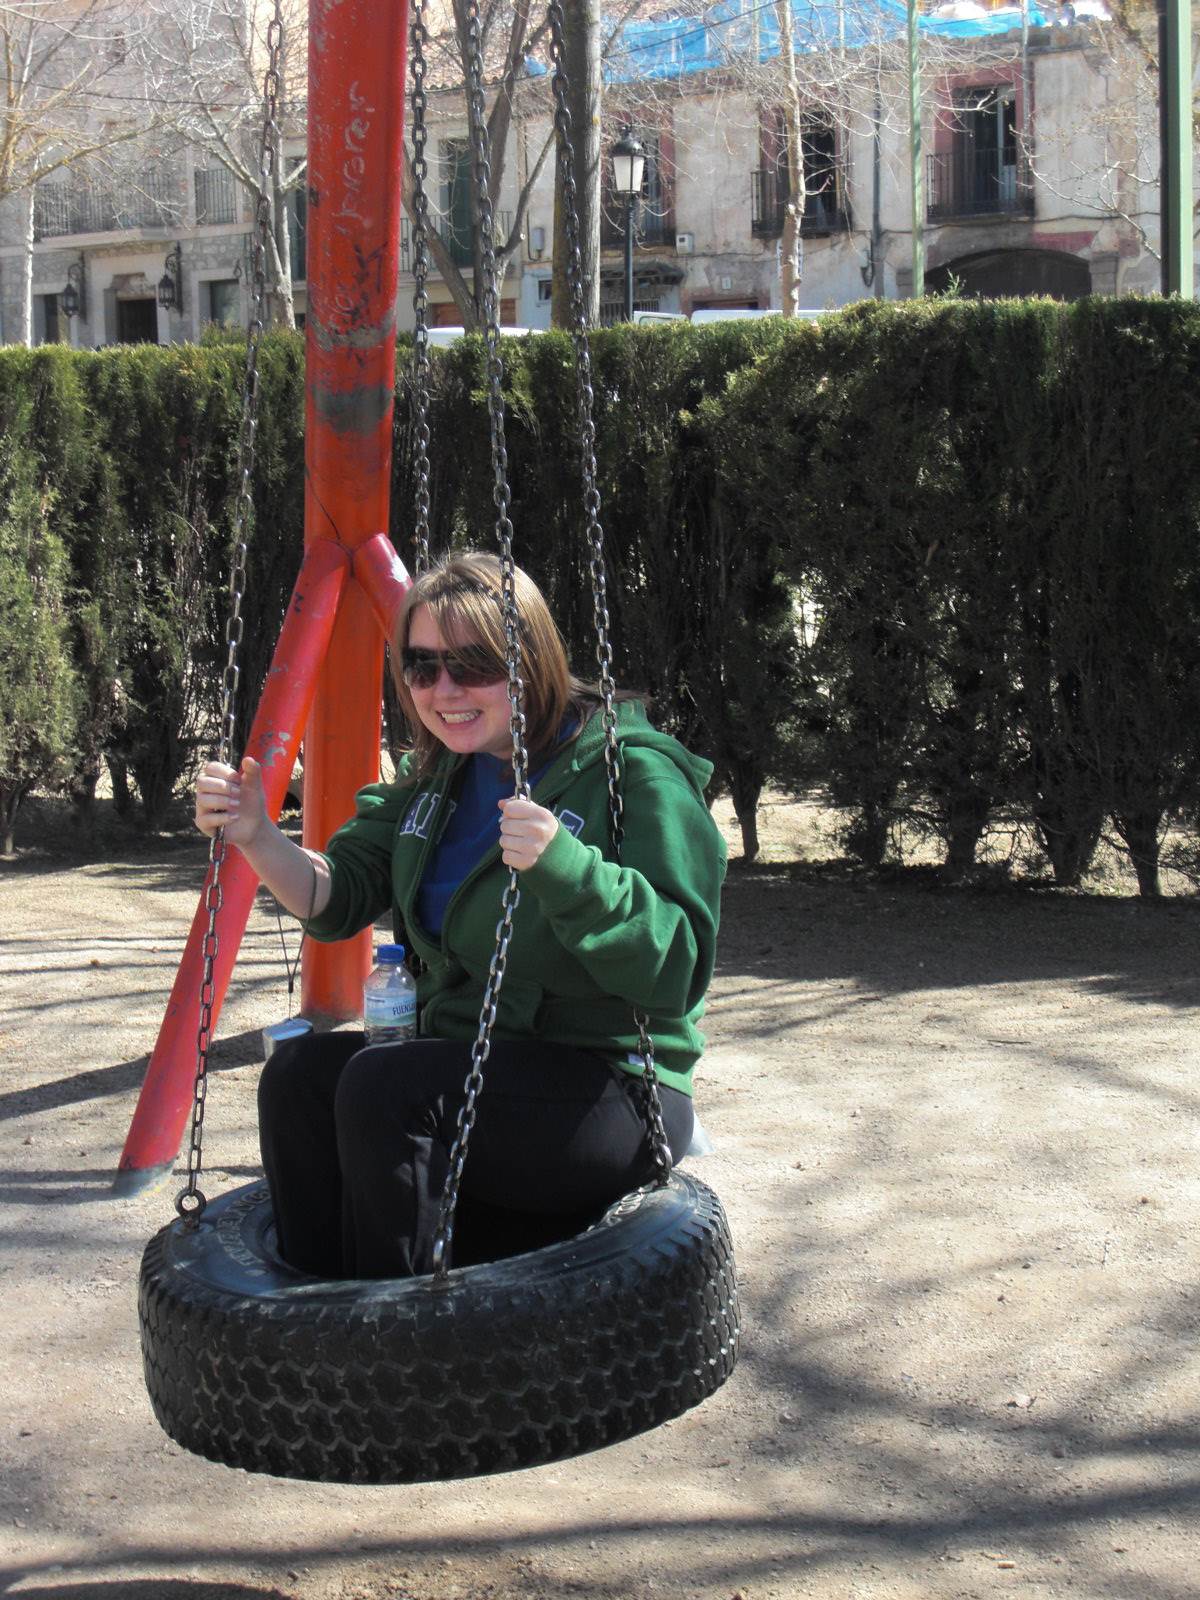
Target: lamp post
[
  {"x": 170, "y": 285},
  {"x": 628, "y": 165},
  {"x": 74, "y": 296}
]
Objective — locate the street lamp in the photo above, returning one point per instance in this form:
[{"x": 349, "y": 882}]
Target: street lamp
[
  {"x": 170, "y": 285},
  {"x": 628, "y": 165},
  {"x": 74, "y": 296}
]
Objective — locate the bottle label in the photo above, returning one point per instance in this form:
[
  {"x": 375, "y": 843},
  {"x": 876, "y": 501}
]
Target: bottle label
[{"x": 391, "y": 1009}]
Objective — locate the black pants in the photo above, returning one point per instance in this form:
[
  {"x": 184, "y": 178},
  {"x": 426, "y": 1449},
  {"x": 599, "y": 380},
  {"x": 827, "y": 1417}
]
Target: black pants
[{"x": 356, "y": 1142}]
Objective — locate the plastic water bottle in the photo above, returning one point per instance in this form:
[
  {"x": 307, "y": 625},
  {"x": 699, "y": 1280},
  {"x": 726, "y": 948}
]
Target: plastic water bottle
[{"x": 390, "y": 998}]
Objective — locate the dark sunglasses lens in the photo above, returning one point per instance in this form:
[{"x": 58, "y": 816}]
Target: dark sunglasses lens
[
  {"x": 423, "y": 668},
  {"x": 473, "y": 674}
]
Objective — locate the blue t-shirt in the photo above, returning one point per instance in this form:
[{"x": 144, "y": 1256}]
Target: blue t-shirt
[{"x": 472, "y": 829}]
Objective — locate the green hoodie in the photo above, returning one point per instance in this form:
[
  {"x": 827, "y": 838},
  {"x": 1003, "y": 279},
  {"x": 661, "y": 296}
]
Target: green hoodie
[{"x": 591, "y": 939}]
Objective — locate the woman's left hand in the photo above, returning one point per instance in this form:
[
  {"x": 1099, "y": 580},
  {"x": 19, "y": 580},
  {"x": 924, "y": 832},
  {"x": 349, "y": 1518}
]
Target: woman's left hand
[{"x": 525, "y": 831}]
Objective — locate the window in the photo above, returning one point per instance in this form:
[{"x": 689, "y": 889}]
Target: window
[
  {"x": 224, "y": 302},
  {"x": 978, "y": 168},
  {"x": 296, "y": 201},
  {"x": 456, "y": 200},
  {"x": 545, "y": 291},
  {"x": 825, "y": 207},
  {"x": 216, "y": 195}
]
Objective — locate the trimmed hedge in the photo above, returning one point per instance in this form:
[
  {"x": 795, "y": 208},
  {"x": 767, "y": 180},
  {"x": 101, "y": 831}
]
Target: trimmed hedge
[{"x": 941, "y": 558}]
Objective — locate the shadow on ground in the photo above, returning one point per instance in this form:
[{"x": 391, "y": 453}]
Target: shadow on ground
[{"x": 141, "y": 1589}]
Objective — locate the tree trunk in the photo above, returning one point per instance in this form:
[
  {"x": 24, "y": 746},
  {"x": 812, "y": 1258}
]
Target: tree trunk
[
  {"x": 745, "y": 788},
  {"x": 23, "y": 332},
  {"x": 966, "y": 823},
  {"x": 11, "y": 796},
  {"x": 581, "y": 60},
  {"x": 82, "y": 789},
  {"x": 1139, "y": 833},
  {"x": 118, "y": 771},
  {"x": 867, "y": 836},
  {"x": 1069, "y": 839},
  {"x": 279, "y": 267},
  {"x": 792, "y": 259}
]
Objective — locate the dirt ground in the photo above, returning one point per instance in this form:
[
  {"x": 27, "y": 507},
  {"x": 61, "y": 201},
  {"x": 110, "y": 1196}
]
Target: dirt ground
[{"x": 956, "y": 1134}]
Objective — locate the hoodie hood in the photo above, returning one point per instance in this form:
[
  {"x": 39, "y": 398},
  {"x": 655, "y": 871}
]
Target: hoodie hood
[{"x": 635, "y": 731}]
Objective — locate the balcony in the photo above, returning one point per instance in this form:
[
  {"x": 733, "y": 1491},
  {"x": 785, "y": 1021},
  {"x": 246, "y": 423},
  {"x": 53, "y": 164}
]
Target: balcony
[
  {"x": 653, "y": 227},
  {"x": 456, "y": 240},
  {"x": 216, "y": 195},
  {"x": 969, "y": 182},
  {"x": 152, "y": 200},
  {"x": 825, "y": 209}
]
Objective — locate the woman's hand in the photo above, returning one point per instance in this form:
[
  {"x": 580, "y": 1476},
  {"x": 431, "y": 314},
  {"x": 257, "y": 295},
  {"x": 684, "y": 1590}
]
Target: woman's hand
[
  {"x": 231, "y": 800},
  {"x": 525, "y": 831}
]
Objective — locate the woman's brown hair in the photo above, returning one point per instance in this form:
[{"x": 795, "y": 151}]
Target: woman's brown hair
[{"x": 465, "y": 597}]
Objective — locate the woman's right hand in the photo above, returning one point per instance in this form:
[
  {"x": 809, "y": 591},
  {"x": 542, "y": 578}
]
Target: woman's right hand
[{"x": 231, "y": 800}]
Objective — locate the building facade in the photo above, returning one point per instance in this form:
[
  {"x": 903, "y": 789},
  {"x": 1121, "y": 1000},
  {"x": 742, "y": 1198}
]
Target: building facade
[{"x": 1029, "y": 186}]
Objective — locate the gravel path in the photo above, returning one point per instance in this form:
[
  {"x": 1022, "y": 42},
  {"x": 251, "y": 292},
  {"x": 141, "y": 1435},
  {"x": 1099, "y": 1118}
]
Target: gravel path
[{"x": 957, "y": 1138}]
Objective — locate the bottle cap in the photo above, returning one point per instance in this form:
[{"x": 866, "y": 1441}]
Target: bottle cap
[{"x": 389, "y": 952}]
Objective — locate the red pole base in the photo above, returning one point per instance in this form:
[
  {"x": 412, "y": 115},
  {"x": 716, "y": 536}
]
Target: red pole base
[{"x": 162, "y": 1110}]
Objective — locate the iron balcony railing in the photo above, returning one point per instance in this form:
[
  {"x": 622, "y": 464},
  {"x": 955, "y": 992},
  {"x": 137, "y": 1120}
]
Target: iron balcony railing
[
  {"x": 652, "y": 226},
  {"x": 216, "y": 195},
  {"x": 825, "y": 209},
  {"x": 456, "y": 240},
  {"x": 968, "y": 182},
  {"x": 151, "y": 200}
]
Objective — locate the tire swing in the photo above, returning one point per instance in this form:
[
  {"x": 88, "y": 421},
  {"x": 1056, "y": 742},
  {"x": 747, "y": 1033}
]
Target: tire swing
[{"x": 476, "y": 1369}]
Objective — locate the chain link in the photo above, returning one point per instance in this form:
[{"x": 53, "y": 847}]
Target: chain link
[
  {"x": 585, "y": 401},
  {"x": 190, "y": 1202},
  {"x": 511, "y": 897},
  {"x": 418, "y": 39}
]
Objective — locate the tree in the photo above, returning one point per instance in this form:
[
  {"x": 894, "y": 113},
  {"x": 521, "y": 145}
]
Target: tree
[
  {"x": 205, "y": 60},
  {"x": 37, "y": 682},
  {"x": 511, "y": 38},
  {"x": 66, "y": 79},
  {"x": 582, "y": 52}
]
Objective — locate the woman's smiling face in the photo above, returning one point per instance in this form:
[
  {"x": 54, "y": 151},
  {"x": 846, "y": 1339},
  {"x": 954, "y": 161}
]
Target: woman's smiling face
[{"x": 466, "y": 719}]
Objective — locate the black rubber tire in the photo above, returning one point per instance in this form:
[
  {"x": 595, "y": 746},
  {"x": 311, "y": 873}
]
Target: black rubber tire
[{"x": 507, "y": 1365}]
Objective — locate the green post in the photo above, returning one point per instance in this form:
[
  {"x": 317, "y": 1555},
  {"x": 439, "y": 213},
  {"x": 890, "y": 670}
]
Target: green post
[
  {"x": 914, "y": 147},
  {"x": 1175, "y": 134}
]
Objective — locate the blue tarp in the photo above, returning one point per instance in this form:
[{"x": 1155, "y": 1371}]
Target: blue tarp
[{"x": 672, "y": 47}]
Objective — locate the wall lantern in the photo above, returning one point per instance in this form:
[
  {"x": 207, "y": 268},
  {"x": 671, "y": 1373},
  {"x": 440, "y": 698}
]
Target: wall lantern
[
  {"x": 170, "y": 285},
  {"x": 73, "y": 299}
]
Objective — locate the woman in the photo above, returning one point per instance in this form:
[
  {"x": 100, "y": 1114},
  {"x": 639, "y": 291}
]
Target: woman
[{"x": 356, "y": 1138}]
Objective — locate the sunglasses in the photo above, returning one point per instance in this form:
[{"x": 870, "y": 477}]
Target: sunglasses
[{"x": 470, "y": 667}]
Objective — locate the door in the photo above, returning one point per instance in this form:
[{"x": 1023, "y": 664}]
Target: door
[{"x": 137, "y": 322}]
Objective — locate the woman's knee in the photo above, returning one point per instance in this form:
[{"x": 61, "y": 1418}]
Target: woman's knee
[
  {"x": 371, "y": 1089},
  {"x": 299, "y": 1068}
]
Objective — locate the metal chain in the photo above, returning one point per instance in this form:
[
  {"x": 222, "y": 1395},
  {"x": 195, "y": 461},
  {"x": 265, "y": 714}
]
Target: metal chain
[
  {"x": 512, "y": 639},
  {"x": 190, "y": 1202},
  {"x": 419, "y": 38},
  {"x": 585, "y": 397}
]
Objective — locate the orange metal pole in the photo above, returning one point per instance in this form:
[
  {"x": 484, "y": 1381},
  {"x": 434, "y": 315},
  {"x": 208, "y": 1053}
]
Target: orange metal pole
[
  {"x": 355, "y": 127},
  {"x": 381, "y": 573},
  {"x": 166, "y": 1098}
]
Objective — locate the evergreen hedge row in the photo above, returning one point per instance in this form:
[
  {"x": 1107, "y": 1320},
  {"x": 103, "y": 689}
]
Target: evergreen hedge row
[{"x": 941, "y": 558}]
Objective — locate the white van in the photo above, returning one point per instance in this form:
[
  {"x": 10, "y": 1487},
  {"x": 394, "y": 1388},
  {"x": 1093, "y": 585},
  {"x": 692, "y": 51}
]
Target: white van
[
  {"x": 441, "y": 337},
  {"x": 740, "y": 313}
]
